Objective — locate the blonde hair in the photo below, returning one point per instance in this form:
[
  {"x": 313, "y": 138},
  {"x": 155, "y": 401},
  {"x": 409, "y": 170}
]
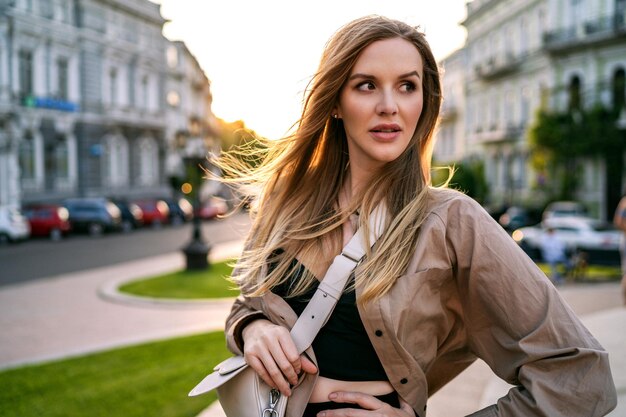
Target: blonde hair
[{"x": 297, "y": 185}]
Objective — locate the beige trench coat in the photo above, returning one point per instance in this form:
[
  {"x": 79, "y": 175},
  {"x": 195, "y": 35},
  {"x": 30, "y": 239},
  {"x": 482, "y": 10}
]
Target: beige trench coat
[{"x": 469, "y": 292}]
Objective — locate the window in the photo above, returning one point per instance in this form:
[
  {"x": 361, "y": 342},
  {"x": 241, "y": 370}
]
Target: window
[
  {"x": 509, "y": 108},
  {"x": 619, "y": 89},
  {"x": 173, "y": 99},
  {"x": 172, "y": 56},
  {"x": 525, "y": 104},
  {"x": 61, "y": 159},
  {"x": 25, "y": 63},
  {"x": 524, "y": 33},
  {"x": 144, "y": 92},
  {"x": 27, "y": 157},
  {"x": 62, "y": 74},
  {"x": 148, "y": 162},
  {"x": 46, "y": 9},
  {"x": 115, "y": 161},
  {"x": 574, "y": 93},
  {"x": 113, "y": 86}
]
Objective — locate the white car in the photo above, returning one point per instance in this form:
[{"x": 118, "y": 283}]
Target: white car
[
  {"x": 13, "y": 225},
  {"x": 600, "y": 240}
]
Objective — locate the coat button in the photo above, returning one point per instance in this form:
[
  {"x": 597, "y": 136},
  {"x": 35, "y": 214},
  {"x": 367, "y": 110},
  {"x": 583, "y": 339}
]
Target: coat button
[
  {"x": 378, "y": 333},
  {"x": 404, "y": 381}
]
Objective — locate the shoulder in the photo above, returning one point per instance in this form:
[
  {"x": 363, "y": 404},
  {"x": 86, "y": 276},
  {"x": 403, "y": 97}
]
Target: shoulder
[{"x": 448, "y": 205}]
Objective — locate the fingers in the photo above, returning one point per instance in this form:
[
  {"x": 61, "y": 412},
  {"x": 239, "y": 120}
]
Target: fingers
[
  {"x": 406, "y": 407},
  {"x": 371, "y": 405},
  {"x": 307, "y": 366},
  {"x": 270, "y": 351},
  {"x": 369, "y": 402}
]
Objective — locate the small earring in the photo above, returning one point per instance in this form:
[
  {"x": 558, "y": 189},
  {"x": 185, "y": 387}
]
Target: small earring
[{"x": 336, "y": 116}]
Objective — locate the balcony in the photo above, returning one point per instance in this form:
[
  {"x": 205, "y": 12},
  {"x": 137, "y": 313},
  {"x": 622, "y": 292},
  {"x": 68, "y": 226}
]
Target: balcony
[
  {"x": 497, "y": 68},
  {"x": 498, "y": 134},
  {"x": 602, "y": 31}
]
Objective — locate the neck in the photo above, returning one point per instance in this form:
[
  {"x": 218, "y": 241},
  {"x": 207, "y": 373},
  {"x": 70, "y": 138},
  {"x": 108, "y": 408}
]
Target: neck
[{"x": 355, "y": 182}]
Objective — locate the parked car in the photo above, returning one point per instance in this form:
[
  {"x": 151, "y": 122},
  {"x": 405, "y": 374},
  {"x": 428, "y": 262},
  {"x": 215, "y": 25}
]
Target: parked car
[
  {"x": 14, "y": 227},
  {"x": 181, "y": 210},
  {"x": 93, "y": 215},
  {"x": 155, "y": 211},
  {"x": 598, "y": 240},
  {"x": 211, "y": 208},
  {"x": 48, "y": 220},
  {"x": 564, "y": 209},
  {"x": 132, "y": 215},
  {"x": 515, "y": 217}
]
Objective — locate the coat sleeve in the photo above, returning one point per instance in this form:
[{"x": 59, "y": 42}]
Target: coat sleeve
[
  {"x": 244, "y": 310},
  {"x": 520, "y": 326}
]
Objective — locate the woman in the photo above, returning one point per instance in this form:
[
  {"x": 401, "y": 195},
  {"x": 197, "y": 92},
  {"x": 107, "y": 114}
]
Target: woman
[
  {"x": 443, "y": 285},
  {"x": 619, "y": 219}
]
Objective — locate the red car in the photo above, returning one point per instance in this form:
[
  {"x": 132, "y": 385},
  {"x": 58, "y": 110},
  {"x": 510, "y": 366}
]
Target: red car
[
  {"x": 212, "y": 208},
  {"x": 49, "y": 220},
  {"x": 155, "y": 212}
]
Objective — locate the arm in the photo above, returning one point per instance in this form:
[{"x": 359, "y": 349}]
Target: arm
[
  {"x": 521, "y": 327},
  {"x": 268, "y": 348},
  {"x": 619, "y": 219}
]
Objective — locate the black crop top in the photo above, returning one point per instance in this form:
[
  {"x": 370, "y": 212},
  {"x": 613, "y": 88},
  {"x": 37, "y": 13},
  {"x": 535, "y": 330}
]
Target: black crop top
[{"x": 342, "y": 347}]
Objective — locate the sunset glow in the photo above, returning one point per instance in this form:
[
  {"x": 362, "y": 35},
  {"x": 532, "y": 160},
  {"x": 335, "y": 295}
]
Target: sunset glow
[{"x": 260, "y": 55}]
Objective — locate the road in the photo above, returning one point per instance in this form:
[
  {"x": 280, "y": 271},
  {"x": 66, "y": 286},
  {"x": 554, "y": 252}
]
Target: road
[{"x": 39, "y": 258}]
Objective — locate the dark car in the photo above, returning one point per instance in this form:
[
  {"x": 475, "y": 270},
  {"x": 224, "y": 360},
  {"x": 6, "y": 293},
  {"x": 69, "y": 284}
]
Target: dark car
[
  {"x": 47, "y": 220},
  {"x": 93, "y": 215},
  {"x": 132, "y": 215},
  {"x": 181, "y": 210},
  {"x": 515, "y": 217}
]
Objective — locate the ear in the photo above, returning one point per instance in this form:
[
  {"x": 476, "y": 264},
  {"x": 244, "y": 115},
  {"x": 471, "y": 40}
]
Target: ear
[{"x": 336, "y": 113}]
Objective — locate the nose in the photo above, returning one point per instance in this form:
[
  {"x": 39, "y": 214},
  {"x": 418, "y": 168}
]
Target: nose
[{"x": 387, "y": 103}]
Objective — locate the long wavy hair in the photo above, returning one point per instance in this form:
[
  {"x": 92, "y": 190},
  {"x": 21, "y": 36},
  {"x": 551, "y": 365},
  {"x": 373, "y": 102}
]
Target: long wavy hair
[{"x": 296, "y": 187}]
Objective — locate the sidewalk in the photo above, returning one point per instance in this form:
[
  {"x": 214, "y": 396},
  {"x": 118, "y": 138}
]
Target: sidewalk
[
  {"x": 68, "y": 315},
  {"x": 81, "y": 313}
]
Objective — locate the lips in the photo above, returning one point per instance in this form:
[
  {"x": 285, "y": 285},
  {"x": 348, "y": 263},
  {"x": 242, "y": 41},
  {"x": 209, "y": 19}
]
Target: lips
[{"x": 386, "y": 132}]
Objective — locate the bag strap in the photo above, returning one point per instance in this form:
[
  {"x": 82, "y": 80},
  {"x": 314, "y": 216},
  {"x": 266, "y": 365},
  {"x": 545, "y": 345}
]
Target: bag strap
[{"x": 328, "y": 292}]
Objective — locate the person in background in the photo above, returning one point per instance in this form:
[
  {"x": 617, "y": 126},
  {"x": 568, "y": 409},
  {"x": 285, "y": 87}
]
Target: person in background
[
  {"x": 442, "y": 286},
  {"x": 554, "y": 253},
  {"x": 620, "y": 221}
]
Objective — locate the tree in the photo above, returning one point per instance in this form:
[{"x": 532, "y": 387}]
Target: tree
[
  {"x": 467, "y": 176},
  {"x": 560, "y": 140}
]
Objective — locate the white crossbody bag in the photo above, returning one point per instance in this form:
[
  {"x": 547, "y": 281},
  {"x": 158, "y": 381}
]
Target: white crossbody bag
[{"x": 240, "y": 390}]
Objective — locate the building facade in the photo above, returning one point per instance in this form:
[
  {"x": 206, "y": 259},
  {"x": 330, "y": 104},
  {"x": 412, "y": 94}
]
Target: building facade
[
  {"x": 188, "y": 116},
  {"x": 84, "y": 105},
  {"x": 451, "y": 144},
  {"x": 523, "y": 55}
]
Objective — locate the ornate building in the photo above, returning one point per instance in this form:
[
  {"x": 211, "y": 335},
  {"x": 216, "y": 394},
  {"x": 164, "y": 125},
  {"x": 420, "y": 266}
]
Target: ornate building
[
  {"x": 526, "y": 54},
  {"x": 85, "y": 99}
]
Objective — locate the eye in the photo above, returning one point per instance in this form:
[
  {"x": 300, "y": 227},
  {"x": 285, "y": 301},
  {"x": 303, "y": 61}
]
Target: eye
[
  {"x": 365, "y": 86},
  {"x": 408, "y": 86}
]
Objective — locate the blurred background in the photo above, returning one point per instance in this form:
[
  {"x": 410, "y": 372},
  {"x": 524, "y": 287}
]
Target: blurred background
[{"x": 108, "y": 109}]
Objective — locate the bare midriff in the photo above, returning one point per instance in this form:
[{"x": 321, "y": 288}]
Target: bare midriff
[{"x": 325, "y": 386}]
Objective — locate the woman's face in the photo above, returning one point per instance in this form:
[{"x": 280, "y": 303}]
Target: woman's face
[{"x": 381, "y": 102}]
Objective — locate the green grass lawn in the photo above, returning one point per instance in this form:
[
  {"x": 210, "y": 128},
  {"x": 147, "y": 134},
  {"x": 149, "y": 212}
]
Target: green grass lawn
[
  {"x": 593, "y": 272},
  {"x": 148, "y": 380},
  {"x": 212, "y": 283}
]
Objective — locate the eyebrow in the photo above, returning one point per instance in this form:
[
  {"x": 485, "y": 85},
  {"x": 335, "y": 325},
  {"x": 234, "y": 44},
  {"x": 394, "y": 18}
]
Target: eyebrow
[{"x": 360, "y": 75}]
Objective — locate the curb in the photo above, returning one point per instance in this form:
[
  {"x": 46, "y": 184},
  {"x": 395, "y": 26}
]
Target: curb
[{"x": 109, "y": 291}]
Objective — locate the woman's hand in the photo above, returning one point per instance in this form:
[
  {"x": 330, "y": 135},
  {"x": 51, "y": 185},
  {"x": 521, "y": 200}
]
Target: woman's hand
[
  {"x": 271, "y": 352},
  {"x": 371, "y": 404}
]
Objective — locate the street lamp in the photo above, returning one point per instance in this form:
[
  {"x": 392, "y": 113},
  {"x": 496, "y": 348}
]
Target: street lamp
[{"x": 194, "y": 152}]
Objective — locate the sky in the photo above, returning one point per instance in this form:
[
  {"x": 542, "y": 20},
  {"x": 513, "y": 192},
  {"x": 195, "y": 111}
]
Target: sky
[{"x": 259, "y": 55}]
